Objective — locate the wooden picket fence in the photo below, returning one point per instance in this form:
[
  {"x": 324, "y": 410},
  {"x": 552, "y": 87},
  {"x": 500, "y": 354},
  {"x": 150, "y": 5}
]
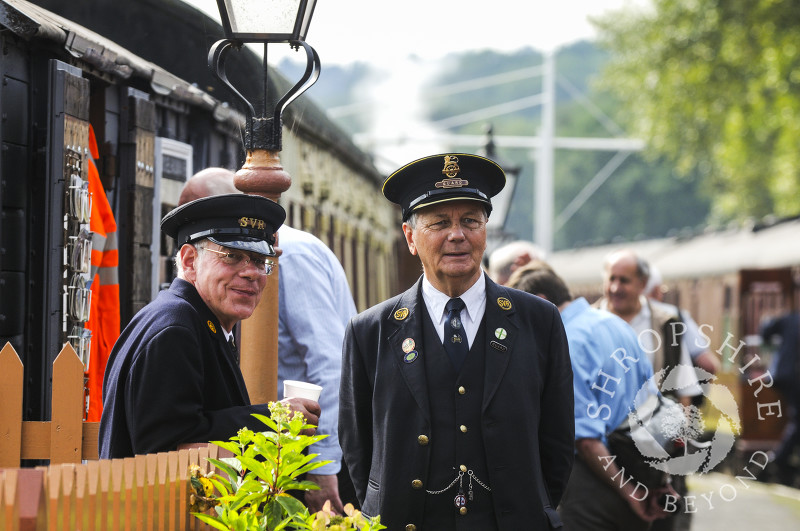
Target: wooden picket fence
[{"x": 78, "y": 491}]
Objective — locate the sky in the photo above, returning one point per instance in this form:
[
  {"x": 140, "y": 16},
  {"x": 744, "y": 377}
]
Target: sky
[
  {"x": 375, "y": 31},
  {"x": 413, "y": 36}
]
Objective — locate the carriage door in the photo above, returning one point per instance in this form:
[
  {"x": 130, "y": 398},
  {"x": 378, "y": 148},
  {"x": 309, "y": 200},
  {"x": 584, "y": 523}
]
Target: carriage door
[{"x": 764, "y": 293}]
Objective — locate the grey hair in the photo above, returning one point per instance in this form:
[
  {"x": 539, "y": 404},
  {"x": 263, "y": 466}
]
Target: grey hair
[
  {"x": 642, "y": 265},
  {"x": 504, "y": 257},
  {"x": 201, "y": 244}
]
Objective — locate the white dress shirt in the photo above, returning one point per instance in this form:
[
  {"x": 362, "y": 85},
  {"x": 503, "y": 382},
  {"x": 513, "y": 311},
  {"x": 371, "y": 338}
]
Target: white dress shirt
[{"x": 471, "y": 315}]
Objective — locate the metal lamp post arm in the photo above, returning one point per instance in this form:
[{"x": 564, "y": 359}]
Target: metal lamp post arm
[
  {"x": 310, "y": 76},
  {"x": 216, "y": 62}
]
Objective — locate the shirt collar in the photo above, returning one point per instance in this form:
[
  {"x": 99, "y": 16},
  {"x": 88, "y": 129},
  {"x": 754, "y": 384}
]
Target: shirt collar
[
  {"x": 574, "y": 308},
  {"x": 474, "y": 298}
]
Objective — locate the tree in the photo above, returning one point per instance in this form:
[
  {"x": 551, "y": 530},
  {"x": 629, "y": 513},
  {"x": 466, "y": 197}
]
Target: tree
[
  {"x": 684, "y": 427},
  {"x": 714, "y": 86}
]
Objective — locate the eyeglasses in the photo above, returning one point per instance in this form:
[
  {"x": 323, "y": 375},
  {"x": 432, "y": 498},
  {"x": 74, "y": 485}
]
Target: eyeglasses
[{"x": 240, "y": 260}]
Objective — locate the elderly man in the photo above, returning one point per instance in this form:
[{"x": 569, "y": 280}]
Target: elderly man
[
  {"x": 610, "y": 370},
  {"x": 311, "y": 284},
  {"x": 659, "y": 331},
  {"x": 456, "y": 407},
  {"x": 657, "y": 326},
  {"x": 173, "y": 376}
]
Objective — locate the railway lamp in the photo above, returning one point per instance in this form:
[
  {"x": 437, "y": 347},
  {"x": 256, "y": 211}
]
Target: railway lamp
[{"x": 268, "y": 22}]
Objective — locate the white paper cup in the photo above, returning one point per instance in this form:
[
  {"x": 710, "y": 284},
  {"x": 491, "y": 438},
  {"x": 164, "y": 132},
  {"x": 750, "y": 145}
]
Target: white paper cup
[{"x": 295, "y": 389}]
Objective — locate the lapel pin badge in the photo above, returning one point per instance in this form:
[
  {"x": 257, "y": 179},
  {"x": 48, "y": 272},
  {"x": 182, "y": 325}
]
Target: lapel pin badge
[
  {"x": 401, "y": 314},
  {"x": 498, "y": 346},
  {"x": 411, "y": 357},
  {"x": 211, "y": 326},
  {"x": 500, "y": 333},
  {"x": 408, "y": 345},
  {"x": 504, "y": 303}
]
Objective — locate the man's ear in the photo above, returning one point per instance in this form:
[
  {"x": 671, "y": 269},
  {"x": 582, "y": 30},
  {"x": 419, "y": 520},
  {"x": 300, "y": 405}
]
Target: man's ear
[
  {"x": 189, "y": 257},
  {"x": 409, "y": 234}
]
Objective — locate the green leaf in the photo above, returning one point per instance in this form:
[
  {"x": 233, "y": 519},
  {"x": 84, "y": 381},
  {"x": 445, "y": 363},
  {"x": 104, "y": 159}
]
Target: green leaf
[
  {"x": 222, "y": 485},
  {"x": 226, "y": 467},
  {"x": 231, "y": 446},
  {"x": 211, "y": 520}
]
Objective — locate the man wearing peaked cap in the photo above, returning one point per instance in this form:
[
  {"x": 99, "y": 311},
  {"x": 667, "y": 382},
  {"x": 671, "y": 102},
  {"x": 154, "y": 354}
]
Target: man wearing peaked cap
[
  {"x": 173, "y": 376},
  {"x": 456, "y": 402}
]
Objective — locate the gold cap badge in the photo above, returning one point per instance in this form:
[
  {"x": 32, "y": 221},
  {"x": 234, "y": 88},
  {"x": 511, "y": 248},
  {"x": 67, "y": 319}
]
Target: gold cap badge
[
  {"x": 450, "y": 170},
  {"x": 253, "y": 223}
]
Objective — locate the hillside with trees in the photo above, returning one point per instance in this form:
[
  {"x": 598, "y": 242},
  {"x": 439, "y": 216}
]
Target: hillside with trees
[{"x": 643, "y": 198}]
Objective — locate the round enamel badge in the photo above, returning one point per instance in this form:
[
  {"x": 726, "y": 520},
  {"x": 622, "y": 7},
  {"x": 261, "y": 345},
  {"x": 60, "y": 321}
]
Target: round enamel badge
[
  {"x": 408, "y": 345},
  {"x": 411, "y": 356},
  {"x": 504, "y": 303}
]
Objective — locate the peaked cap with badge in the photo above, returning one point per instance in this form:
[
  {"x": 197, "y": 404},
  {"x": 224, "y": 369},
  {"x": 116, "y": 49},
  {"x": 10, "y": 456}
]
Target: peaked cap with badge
[
  {"x": 238, "y": 221},
  {"x": 445, "y": 177}
]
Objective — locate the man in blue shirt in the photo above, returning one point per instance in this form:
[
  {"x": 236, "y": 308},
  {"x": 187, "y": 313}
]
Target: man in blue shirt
[
  {"x": 609, "y": 369},
  {"x": 315, "y": 305}
]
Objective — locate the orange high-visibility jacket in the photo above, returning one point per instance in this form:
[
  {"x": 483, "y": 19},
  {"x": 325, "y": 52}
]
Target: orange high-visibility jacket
[{"x": 104, "y": 314}]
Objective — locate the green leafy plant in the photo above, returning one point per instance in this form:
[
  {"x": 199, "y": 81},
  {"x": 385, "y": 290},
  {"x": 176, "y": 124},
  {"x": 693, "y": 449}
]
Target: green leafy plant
[{"x": 256, "y": 483}]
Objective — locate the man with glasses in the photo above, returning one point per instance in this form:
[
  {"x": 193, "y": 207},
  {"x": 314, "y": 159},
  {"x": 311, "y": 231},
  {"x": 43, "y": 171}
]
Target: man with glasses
[
  {"x": 315, "y": 306},
  {"x": 456, "y": 407},
  {"x": 173, "y": 376}
]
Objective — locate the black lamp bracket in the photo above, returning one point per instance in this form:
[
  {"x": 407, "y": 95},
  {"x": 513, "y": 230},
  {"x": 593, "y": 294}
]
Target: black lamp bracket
[{"x": 264, "y": 132}]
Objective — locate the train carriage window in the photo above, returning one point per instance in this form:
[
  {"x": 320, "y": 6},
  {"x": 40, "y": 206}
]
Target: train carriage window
[{"x": 173, "y": 169}]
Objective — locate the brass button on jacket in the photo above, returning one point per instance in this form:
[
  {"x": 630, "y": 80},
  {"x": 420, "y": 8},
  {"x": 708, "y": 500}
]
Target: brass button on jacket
[
  {"x": 463, "y": 429},
  {"x": 411, "y": 527},
  {"x": 417, "y": 483},
  {"x": 461, "y": 390},
  {"x": 423, "y": 440}
]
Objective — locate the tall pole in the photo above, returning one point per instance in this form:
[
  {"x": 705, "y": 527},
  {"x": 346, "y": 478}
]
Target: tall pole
[
  {"x": 262, "y": 174},
  {"x": 543, "y": 189}
]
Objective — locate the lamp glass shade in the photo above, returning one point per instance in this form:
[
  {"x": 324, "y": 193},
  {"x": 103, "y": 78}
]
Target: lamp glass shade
[{"x": 266, "y": 20}]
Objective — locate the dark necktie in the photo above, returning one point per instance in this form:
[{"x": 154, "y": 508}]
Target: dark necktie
[{"x": 455, "y": 339}]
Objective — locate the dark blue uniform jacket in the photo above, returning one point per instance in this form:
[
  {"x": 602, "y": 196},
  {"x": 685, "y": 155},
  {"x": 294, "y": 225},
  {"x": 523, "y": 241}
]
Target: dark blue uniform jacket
[
  {"x": 527, "y": 418},
  {"x": 172, "y": 379}
]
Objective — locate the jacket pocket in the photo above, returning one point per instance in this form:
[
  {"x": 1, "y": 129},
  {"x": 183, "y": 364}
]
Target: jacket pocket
[{"x": 372, "y": 499}]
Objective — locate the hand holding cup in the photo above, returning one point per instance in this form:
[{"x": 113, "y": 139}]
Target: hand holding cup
[{"x": 303, "y": 397}]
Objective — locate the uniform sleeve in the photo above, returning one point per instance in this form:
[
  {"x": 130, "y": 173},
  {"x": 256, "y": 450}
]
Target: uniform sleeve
[
  {"x": 557, "y": 428},
  {"x": 355, "y": 414},
  {"x": 165, "y": 397},
  {"x": 316, "y": 307}
]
